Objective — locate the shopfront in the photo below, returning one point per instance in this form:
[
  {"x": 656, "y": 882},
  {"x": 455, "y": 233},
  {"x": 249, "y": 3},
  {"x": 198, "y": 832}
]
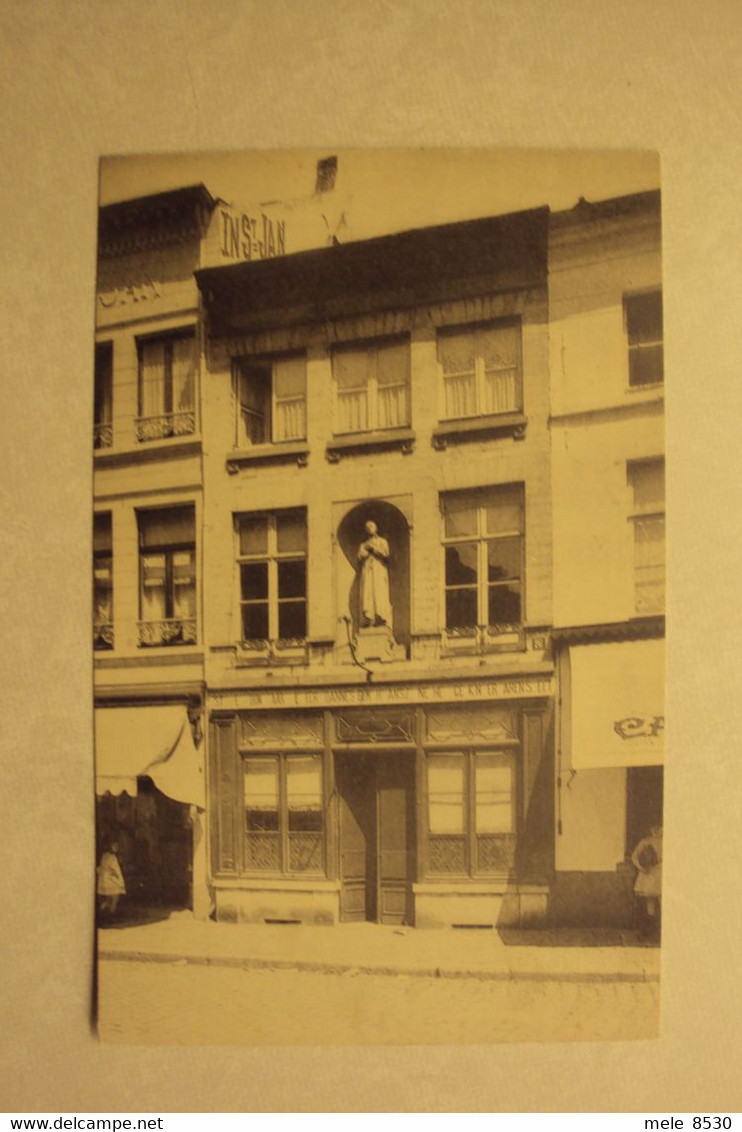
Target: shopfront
[{"x": 416, "y": 804}]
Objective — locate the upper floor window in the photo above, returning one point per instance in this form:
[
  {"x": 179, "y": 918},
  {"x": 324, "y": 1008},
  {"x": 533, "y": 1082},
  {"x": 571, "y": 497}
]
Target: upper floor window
[
  {"x": 271, "y": 398},
  {"x": 272, "y": 559},
  {"x": 167, "y": 563},
  {"x": 372, "y": 386},
  {"x": 483, "y": 549},
  {"x": 644, "y": 328},
  {"x": 103, "y": 396},
  {"x": 167, "y": 386},
  {"x": 481, "y": 370},
  {"x": 102, "y": 582},
  {"x": 647, "y": 484}
]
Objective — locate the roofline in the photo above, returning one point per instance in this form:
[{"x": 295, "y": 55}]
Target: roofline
[{"x": 585, "y": 211}]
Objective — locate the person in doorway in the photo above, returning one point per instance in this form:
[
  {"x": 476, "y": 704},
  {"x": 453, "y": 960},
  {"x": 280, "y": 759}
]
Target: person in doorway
[
  {"x": 111, "y": 885},
  {"x": 647, "y": 860},
  {"x": 373, "y": 556}
]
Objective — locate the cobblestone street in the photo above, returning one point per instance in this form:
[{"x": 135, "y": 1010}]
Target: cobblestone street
[{"x": 180, "y": 1003}]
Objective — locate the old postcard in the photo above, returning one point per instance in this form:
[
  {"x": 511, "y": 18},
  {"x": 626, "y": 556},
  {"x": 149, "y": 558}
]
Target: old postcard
[{"x": 378, "y": 598}]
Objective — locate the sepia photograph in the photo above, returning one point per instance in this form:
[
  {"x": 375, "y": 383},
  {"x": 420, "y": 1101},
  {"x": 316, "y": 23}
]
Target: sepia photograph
[{"x": 378, "y": 616}]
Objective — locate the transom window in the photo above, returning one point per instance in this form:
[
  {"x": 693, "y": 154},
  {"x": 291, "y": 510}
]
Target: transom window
[
  {"x": 647, "y": 485},
  {"x": 471, "y": 812},
  {"x": 644, "y": 328},
  {"x": 483, "y": 549},
  {"x": 283, "y": 813},
  {"x": 271, "y": 398},
  {"x": 481, "y": 369},
  {"x": 167, "y": 386},
  {"x": 167, "y": 559},
  {"x": 272, "y": 558},
  {"x": 102, "y": 582},
  {"x": 372, "y": 386}
]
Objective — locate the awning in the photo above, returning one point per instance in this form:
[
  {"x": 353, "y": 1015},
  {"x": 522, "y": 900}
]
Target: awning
[
  {"x": 617, "y": 704},
  {"x": 156, "y": 741}
]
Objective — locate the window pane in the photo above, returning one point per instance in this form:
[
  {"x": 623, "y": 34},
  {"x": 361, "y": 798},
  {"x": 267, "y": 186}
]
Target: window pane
[
  {"x": 644, "y": 318},
  {"x": 292, "y": 620},
  {"x": 461, "y": 609},
  {"x": 461, "y": 396},
  {"x": 392, "y": 403},
  {"x": 261, "y": 794},
  {"x": 103, "y": 384},
  {"x": 461, "y": 516},
  {"x": 184, "y": 584},
  {"x": 352, "y": 410},
  {"x": 648, "y": 486},
  {"x": 646, "y": 365},
  {"x": 153, "y": 587},
  {"x": 289, "y": 376},
  {"x": 263, "y": 852},
  {"x": 504, "y": 510},
  {"x": 255, "y": 404},
  {"x": 305, "y": 852},
  {"x": 290, "y": 420},
  {"x": 446, "y": 802},
  {"x": 304, "y": 792},
  {"x": 498, "y": 346},
  {"x": 493, "y": 802},
  {"x": 254, "y": 580},
  {"x": 184, "y": 374},
  {"x": 102, "y": 589},
  {"x": 350, "y": 369},
  {"x": 152, "y": 378},
  {"x": 291, "y": 531},
  {"x": 168, "y": 527},
  {"x": 503, "y": 559},
  {"x": 254, "y": 535},
  {"x": 292, "y": 578},
  {"x": 504, "y": 605},
  {"x": 255, "y": 622},
  {"x": 456, "y": 352},
  {"x": 393, "y": 364},
  {"x": 461, "y": 564},
  {"x": 102, "y": 532}
]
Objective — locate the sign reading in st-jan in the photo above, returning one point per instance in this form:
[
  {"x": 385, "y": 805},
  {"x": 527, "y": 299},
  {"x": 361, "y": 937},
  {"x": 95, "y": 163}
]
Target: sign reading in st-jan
[{"x": 247, "y": 235}]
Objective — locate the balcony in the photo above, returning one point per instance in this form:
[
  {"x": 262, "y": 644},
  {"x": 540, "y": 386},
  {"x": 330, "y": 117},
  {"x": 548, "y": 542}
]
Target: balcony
[
  {"x": 481, "y": 639},
  {"x": 173, "y": 631},
  {"x": 102, "y": 435},
  {"x": 166, "y": 425},
  {"x": 103, "y": 635},
  {"x": 290, "y": 650}
]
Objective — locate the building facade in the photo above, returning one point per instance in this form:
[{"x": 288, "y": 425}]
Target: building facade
[{"x": 375, "y": 524}]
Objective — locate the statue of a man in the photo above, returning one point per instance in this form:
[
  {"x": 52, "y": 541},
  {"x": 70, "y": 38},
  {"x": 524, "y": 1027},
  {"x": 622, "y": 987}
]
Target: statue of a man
[{"x": 373, "y": 556}]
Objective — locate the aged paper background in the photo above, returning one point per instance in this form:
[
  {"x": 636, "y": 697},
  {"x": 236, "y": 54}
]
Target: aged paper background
[{"x": 81, "y": 79}]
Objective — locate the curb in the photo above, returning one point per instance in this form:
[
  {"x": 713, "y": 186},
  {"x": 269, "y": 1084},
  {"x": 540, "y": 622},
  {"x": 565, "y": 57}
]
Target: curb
[{"x": 329, "y": 968}]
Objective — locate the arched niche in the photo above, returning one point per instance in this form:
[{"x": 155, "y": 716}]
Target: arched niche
[{"x": 393, "y": 526}]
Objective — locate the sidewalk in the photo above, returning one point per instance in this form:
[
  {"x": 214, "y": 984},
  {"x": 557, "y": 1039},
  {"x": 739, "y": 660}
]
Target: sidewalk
[{"x": 363, "y": 948}]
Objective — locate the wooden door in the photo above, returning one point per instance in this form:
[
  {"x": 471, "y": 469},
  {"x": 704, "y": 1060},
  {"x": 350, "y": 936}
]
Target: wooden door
[
  {"x": 395, "y": 787},
  {"x": 355, "y": 782}
]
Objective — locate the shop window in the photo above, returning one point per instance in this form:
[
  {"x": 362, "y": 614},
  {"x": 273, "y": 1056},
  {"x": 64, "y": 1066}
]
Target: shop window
[
  {"x": 271, "y": 400},
  {"x": 283, "y": 813},
  {"x": 643, "y": 315},
  {"x": 471, "y": 812},
  {"x": 480, "y": 370},
  {"x": 372, "y": 386},
  {"x": 103, "y": 396},
  {"x": 167, "y": 386},
  {"x": 102, "y": 582},
  {"x": 272, "y": 560},
  {"x": 483, "y": 535},
  {"x": 647, "y": 484},
  {"x": 167, "y": 562}
]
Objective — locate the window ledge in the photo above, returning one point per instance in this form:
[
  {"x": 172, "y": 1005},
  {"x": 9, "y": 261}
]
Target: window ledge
[
  {"x": 285, "y": 452},
  {"x": 148, "y": 451},
  {"x": 479, "y": 428},
  {"x": 358, "y": 443}
]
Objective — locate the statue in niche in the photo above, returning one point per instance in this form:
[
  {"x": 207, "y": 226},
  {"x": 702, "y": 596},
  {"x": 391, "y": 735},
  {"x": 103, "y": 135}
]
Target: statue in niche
[{"x": 373, "y": 557}]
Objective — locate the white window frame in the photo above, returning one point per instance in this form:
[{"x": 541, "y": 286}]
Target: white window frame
[
  {"x": 480, "y": 394},
  {"x": 272, "y": 556},
  {"x": 640, "y": 516},
  {"x": 371, "y": 387},
  {"x": 240, "y": 370}
]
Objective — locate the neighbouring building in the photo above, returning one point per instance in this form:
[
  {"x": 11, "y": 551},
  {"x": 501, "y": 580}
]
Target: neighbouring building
[
  {"x": 607, "y": 453},
  {"x": 378, "y": 560}
]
